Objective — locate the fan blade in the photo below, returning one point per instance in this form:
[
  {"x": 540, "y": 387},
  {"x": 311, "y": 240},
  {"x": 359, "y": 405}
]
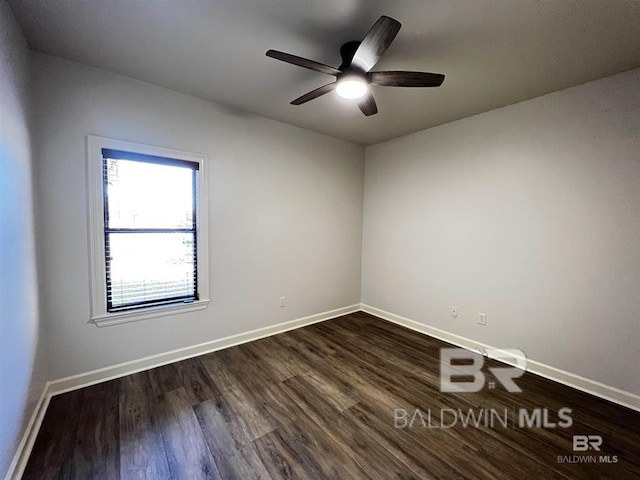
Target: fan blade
[
  {"x": 375, "y": 43},
  {"x": 367, "y": 104},
  {"x": 303, "y": 62},
  {"x": 406, "y": 79},
  {"x": 314, "y": 94}
]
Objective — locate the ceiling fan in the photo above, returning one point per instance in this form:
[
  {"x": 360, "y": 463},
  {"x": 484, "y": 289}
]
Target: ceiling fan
[{"x": 354, "y": 76}]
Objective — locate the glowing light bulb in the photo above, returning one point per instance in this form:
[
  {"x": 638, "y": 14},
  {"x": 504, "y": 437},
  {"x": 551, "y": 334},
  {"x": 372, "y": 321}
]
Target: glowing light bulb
[{"x": 351, "y": 88}]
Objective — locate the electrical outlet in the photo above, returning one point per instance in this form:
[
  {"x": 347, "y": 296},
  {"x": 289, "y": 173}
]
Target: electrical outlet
[
  {"x": 282, "y": 301},
  {"x": 483, "y": 319},
  {"x": 454, "y": 312}
]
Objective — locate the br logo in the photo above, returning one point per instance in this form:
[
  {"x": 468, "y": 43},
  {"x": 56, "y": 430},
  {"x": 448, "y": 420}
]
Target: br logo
[
  {"x": 582, "y": 443},
  {"x": 504, "y": 375}
]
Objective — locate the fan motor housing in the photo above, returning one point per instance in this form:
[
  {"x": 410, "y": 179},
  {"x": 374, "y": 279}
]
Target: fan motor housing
[{"x": 347, "y": 51}]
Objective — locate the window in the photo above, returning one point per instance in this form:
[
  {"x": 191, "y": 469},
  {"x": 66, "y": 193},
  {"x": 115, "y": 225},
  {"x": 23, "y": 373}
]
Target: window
[
  {"x": 149, "y": 230},
  {"x": 148, "y": 242}
]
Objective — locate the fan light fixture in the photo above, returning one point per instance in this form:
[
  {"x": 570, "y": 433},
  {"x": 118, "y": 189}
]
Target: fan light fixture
[
  {"x": 351, "y": 88},
  {"x": 354, "y": 74}
]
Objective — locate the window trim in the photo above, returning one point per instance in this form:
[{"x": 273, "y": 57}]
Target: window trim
[{"x": 99, "y": 314}]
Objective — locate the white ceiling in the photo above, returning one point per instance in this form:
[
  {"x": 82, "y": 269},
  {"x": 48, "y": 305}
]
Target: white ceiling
[{"x": 493, "y": 52}]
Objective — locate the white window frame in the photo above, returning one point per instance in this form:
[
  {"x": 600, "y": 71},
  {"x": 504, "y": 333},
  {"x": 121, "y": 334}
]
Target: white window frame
[{"x": 99, "y": 314}]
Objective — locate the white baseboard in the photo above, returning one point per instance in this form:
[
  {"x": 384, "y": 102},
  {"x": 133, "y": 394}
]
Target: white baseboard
[
  {"x": 607, "y": 392},
  {"x": 86, "y": 379},
  {"x": 19, "y": 461}
]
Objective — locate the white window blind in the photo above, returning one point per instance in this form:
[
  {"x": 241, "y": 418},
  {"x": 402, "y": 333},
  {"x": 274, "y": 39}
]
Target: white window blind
[{"x": 150, "y": 230}]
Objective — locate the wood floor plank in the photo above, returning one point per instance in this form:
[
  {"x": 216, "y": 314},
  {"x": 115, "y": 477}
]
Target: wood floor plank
[
  {"x": 280, "y": 460},
  {"x": 345, "y": 378},
  {"x": 142, "y": 453},
  {"x": 136, "y": 389},
  {"x": 307, "y": 441},
  {"x": 510, "y": 461},
  {"x": 279, "y": 364},
  {"x": 96, "y": 453},
  {"x": 253, "y": 417},
  {"x": 217, "y": 367},
  {"x": 390, "y": 377},
  {"x": 392, "y": 360},
  {"x": 404, "y": 445},
  {"x": 165, "y": 379},
  {"x": 187, "y": 452},
  {"x": 332, "y": 393},
  {"x": 377, "y": 462},
  {"x": 195, "y": 379},
  {"x": 248, "y": 368},
  {"x": 233, "y": 452},
  {"x": 247, "y": 408},
  {"x": 421, "y": 359}
]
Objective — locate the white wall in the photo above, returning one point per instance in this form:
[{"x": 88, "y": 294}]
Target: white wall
[
  {"x": 21, "y": 370},
  {"x": 285, "y": 213},
  {"x": 529, "y": 213}
]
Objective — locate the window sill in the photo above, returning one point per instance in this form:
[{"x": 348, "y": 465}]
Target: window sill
[{"x": 147, "y": 313}]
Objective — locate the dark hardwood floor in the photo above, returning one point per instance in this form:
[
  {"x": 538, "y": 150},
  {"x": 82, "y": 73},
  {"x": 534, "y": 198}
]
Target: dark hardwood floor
[{"x": 318, "y": 403}]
